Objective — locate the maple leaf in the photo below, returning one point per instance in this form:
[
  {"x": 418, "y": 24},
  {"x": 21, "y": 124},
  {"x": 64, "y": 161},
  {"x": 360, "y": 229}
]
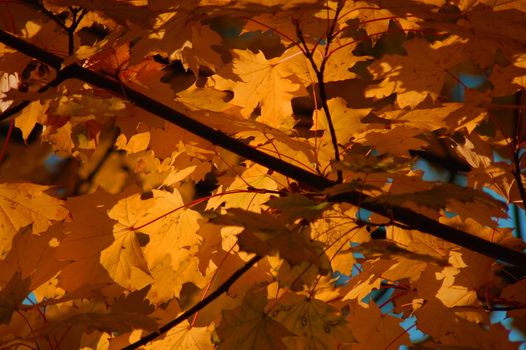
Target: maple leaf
[
  {"x": 340, "y": 61},
  {"x": 86, "y": 235},
  {"x": 259, "y": 330},
  {"x": 185, "y": 337},
  {"x": 419, "y": 243},
  {"x": 397, "y": 141},
  {"x": 125, "y": 262},
  {"x": 459, "y": 288},
  {"x": 418, "y": 74},
  {"x": 125, "y": 313},
  {"x": 337, "y": 229},
  {"x": 12, "y": 295},
  {"x": 263, "y": 234},
  {"x": 26, "y": 204},
  {"x": 159, "y": 223},
  {"x": 379, "y": 331},
  {"x": 375, "y": 19},
  {"x": 31, "y": 115},
  {"x": 295, "y": 206},
  {"x": 169, "y": 276},
  {"x": 346, "y": 121},
  {"x": 434, "y": 198},
  {"x": 255, "y": 176},
  {"x": 453, "y": 115},
  {"x": 316, "y": 324},
  {"x": 266, "y": 83}
]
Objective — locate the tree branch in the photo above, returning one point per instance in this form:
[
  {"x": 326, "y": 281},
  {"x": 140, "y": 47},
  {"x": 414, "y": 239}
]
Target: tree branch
[
  {"x": 400, "y": 214},
  {"x": 197, "y": 307}
]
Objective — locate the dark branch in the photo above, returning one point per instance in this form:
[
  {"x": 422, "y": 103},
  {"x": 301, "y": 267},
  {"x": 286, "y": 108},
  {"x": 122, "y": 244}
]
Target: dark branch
[
  {"x": 402, "y": 215},
  {"x": 77, "y": 14}
]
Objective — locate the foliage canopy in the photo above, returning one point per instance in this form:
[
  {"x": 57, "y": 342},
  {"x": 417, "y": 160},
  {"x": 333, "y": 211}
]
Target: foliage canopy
[{"x": 203, "y": 174}]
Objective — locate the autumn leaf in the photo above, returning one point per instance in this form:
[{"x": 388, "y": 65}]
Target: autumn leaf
[
  {"x": 125, "y": 262},
  {"x": 382, "y": 330},
  {"x": 12, "y": 295},
  {"x": 259, "y": 330},
  {"x": 124, "y": 314},
  {"x": 237, "y": 197},
  {"x": 337, "y": 229},
  {"x": 346, "y": 121},
  {"x": 264, "y": 234},
  {"x": 316, "y": 324},
  {"x": 141, "y": 225},
  {"x": 26, "y": 204},
  {"x": 296, "y": 206},
  {"x": 185, "y": 337},
  {"x": 34, "y": 113},
  {"x": 266, "y": 83},
  {"x": 418, "y": 74},
  {"x": 487, "y": 206},
  {"x": 376, "y": 19}
]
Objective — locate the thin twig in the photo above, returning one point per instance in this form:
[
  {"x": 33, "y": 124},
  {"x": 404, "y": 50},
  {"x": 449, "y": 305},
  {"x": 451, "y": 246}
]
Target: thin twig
[
  {"x": 49, "y": 14},
  {"x": 320, "y": 71},
  {"x": 77, "y": 14}
]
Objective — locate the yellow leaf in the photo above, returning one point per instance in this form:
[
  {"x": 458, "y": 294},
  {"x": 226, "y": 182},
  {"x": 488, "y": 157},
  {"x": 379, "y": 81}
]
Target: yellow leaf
[
  {"x": 124, "y": 261},
  {"x": 169, "y": 276},
  {"x": 336, "y": 230},
  {"x": 60, "y": 139},
  {"x": 25, "y": 204},
  {"x": 341, "y": 60},
  {"x": 27, "y": 119},
  {"x": 206, "y": 98},
  {"x": 87, "y": 235},
  {"x": 375, "y": 18},
  {"x": 265, "y": 83},
  {"x": 397, "y": 141},
  {"x": 418, "y": 74},
  {"x": 346, "y": 121},
  {"x": 316, "y": 324},
  {"x": 184, "y": 337},
  {"x": 137, "y": 143},
  {"x": 376, "y": 330},
  {"x": 162, "y": 217},
  {"x": 260, "y": 332},
  {"x": 255, "y": 176},
  {"x": 363, "y": 288},
  {"x": 169, "y": 225}
]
